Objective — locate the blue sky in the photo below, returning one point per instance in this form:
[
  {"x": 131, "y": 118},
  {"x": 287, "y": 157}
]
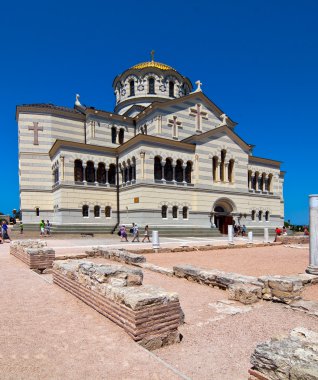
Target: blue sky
[{"x": 257, "y": 61}]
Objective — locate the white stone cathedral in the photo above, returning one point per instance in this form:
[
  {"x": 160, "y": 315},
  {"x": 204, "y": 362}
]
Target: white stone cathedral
[{"x": 167, "y": 156}]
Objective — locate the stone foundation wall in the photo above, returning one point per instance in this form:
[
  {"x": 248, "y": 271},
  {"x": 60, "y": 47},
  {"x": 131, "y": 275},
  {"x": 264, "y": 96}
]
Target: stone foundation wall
[
  {"x": 248, "y": 289},
  {"x": 292, "y": 239},
  {"x": 34, "y": 253},
  {"x": 293, "y": 357},
  {"x": 149, "y": 315}
]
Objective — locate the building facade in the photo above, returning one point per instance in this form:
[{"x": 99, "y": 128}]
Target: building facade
[{"x": 167, "y": 156}]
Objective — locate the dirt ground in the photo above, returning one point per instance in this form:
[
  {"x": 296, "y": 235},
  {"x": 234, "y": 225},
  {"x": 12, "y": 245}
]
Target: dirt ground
[
  {"x": 46, "y": 333},
  {"x": 254, "y": 261}
]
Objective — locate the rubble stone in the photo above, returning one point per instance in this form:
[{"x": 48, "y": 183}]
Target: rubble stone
[
  {"x": 245, "y": 293},
  {"x": 291, "y": 357}
]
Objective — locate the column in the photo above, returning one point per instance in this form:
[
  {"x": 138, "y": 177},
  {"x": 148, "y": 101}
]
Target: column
[
  {"x": 132, "y": 173},
  {"x": 184, "y": 173},
  {"x": 95, "y": 169},
  {"x": 313, "y": 228},
  {"x": 162, "y": 170},
  {"x": 127, "y": 171},
  {"x": 142, "y": 157},
  {"x": 174, "y": 172},
  {"x": 84, "y": 174},
  {"x": 256, "y": 181},
  {"x": 218, "y": 172},
  {"x": 106, "y": 168},
  {"x": 226, "y": 172},
  {"x": 62, "y": 174}
]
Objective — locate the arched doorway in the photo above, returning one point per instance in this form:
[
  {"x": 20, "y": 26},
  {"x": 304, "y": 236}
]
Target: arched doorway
[{"x": 222, "y": 214}]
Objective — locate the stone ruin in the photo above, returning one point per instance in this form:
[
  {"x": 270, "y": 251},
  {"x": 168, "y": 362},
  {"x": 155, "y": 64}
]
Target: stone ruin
[
  {"x": 249, "y": 289},
  {"x": 149, "y": 315},
  {"x": 34, "y": 253},
  {"x": 293, "y": 357},
  {"x": 294, "y": 239},
  {"x": 121, "y": 255}
]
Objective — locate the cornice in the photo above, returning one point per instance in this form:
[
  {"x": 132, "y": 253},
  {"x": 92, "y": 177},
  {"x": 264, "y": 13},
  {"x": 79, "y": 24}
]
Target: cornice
[{"x": 43, "y": 110}]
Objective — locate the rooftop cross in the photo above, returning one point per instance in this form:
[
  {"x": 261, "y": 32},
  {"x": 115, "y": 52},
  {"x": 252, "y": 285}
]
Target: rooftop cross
[
  {"x": 152, "y": 54},
  {"x": 36, "y": 130}
]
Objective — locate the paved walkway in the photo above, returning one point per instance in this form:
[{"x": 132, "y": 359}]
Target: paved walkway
[{"x": 46, "y": 333}]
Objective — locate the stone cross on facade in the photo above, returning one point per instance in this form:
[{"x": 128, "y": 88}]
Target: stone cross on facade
[
  {"x": 197, "y": 113},
  {"x": 36, "y": 130},
  {"x": 175, "y": 126}
]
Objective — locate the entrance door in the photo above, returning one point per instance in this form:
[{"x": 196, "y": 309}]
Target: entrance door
[{"x": 222, "y": 222}]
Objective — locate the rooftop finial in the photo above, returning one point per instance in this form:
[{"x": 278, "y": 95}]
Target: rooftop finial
[
  {"x": 199, "y": 84},
  {"x": 152, "y": 54}
]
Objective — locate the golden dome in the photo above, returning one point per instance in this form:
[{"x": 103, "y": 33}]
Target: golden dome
[{"x": 158, "y": 65}]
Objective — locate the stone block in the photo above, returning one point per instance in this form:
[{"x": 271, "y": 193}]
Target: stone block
[
  {"x": 245, "y": 293},
  {"x": 157, "y": 269},
  {"x": 290, "y": 357},
  {"x": 150, "y": 315}
]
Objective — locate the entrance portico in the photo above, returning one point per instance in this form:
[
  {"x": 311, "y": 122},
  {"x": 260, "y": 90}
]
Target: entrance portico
[{"x": 222, "y": 214}]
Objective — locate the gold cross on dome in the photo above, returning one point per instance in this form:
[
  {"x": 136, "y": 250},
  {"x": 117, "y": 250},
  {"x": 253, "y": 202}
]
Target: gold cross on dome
[{"x": 152, "y": 54}]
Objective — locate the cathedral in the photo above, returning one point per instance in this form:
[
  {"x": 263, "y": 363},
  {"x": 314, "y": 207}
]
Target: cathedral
[{"x": 166, "y": 156}]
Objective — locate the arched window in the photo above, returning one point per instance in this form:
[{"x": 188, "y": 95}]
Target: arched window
[
  {"x": 188, "y": 172},
  {"x": 130, "y": 171},
  {"x": 85, "y": 211},
  {"x": 253, "y": 214},
  {"x": 56, "y": 175},
  {"x": 132, "y": 88},
  {"x": 96, "y": 211},
  {"x": 179, "y": 171},
  {"x": 231, "y": 171},
  {"x": 171, "y": 89},
  {"x": 175, "y": 212},
  {"x": 168, "y": 170},
  {"x": 112, "y": 174},
  {"x": 114, "y": 134},
  {"x": 267, "y": 216},
  {"x": 121, "y": 136},
  {"x": 37, "y": 211},
  {"x": 90, "y": 171},
  {"x": 260, "y": 214},
  {"x": 157, "y": 168},
  {"x": 164, "y": 210},
  {"x": 108, "y": 212},
  {"x": 249, "y": 179},
  {"x": 215, "y": 168},
  {"x": 101, "y": 173},
  {"x": 78, "y": 171},
  {"x": 219, "y": 209},
  {"x": 151, "y": 86},
  {"x": 185, "y": 212}
]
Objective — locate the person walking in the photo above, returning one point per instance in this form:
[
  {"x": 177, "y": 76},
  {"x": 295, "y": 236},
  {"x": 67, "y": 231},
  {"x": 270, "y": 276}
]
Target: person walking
[
  {"x": 4, "y": 228},
  {"x": 48, "y": 228},
  {"x": 244, "y": 230},
  {"x": 123, "y": 233},
  {"x": 42, "y": 228},
  {"x": 135, "y": 232},
  {"x": 146, "y": 234}
]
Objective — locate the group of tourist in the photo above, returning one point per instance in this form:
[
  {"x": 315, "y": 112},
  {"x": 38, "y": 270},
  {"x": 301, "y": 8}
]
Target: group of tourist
[
  {"x": 134, "y": 230},
  {"x": 4, "y": 235},
  {"x": 238, "y": 230},
  {"x": 45, "y": 228}
]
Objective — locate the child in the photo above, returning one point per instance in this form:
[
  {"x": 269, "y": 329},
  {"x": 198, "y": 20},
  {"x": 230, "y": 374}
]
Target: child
[{"x": 21, "y": 228}]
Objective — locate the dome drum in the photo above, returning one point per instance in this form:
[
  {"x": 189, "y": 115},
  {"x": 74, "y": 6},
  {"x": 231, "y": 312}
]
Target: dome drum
[{"x": 149, "y": 82}]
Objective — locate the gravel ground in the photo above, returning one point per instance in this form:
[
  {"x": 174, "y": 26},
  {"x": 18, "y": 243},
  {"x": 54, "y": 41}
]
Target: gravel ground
[
  {"x": 46, "y": 333},
  {"x": 217, "y": 345},
  {"x": 254, "y": 261}
]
